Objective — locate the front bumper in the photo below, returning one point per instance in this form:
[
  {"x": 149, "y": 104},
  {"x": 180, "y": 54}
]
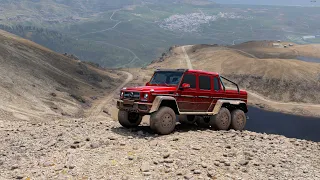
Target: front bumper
[{"x": 131, "y": 106}]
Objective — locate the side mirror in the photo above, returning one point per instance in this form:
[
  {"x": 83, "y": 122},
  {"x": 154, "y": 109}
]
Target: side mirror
[
  {"x": 147, "y": 84},
  {"x": 185, "y": 86}
]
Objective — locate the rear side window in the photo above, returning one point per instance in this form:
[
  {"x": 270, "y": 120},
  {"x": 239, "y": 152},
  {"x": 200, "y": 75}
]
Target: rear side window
[
  {"x": 216, "y": 83},
  {"x": 190, "y": 79},
  {"x": 204, "y": 82}
]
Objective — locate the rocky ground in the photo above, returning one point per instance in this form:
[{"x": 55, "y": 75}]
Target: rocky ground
[{"x": 101, "y": 149}]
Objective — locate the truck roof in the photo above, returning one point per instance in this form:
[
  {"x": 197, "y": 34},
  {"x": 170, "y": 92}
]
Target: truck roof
[
  {"x": 203, "y": 72},
  {"x": 191, "y": 71}
]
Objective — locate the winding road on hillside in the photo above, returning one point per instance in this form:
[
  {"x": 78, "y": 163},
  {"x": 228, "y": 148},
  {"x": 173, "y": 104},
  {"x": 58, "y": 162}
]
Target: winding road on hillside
[
  {"x": 109, "y": 44},
  {"x": 260, "y": 97}
]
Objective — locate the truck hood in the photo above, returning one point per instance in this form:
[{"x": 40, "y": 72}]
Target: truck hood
[{"x": 149, "y": 88}]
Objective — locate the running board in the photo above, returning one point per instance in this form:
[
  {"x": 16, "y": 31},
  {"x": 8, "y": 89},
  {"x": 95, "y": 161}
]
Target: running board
[
  {"x": 203, "y": 113},
  {"x": 197, "y": 113}
]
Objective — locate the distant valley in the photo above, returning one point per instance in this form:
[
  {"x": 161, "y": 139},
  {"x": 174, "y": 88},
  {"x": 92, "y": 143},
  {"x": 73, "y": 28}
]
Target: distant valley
[{"x": 133, "y": 33}]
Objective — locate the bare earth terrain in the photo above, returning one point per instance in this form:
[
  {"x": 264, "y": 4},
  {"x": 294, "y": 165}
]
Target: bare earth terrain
[{"x": 54, "y": 136}]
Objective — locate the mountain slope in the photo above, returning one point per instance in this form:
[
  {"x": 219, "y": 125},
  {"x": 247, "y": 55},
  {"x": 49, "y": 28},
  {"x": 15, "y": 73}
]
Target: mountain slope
[
  {"x": 35, "y": 81},
  {"x": 286, "y": 85},
  {"x": 275, "y": 78},
  {"x": 84, "y": 49}
]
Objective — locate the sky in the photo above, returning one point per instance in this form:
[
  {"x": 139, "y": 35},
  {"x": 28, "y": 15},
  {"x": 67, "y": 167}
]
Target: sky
[{"x": 271, "y": 2}]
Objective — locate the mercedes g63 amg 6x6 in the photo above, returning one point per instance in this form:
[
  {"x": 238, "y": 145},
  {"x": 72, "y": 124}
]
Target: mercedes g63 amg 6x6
[{"x": 185, "y": 96}]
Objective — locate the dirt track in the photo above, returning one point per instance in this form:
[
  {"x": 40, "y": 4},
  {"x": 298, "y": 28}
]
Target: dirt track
[{"x": 98, "y": 107}]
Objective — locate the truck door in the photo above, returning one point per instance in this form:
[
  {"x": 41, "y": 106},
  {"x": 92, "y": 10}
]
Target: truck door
[
  {"x": 204, "y": 93},
  {"x": 186, "y": 97},
  {"x": 218, "y": 92}
]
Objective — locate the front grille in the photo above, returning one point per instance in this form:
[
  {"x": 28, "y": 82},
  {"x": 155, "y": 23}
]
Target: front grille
[
  {"x": 132, "y": 95},
  {"x": 127, "y": 105}
]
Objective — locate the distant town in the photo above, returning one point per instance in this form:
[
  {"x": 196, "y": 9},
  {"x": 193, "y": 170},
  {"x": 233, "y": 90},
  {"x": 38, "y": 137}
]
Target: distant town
[{"x": 192, "y": 22}]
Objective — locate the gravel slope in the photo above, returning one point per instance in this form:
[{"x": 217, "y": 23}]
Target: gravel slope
[{"x": 101, "y": 149}]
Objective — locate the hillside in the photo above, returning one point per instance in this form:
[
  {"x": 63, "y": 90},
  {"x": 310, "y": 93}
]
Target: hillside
[
  {"x": 36, "y": 82},
  {"x": 58, "y": 42},
  {"x": 43, "y": 12}
]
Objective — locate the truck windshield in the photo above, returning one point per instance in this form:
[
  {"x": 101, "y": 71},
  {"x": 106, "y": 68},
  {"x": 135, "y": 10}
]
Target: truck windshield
[{"x": 166, "y": 78}]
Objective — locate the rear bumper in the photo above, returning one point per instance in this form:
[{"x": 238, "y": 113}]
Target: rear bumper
[{"x": 137, "y": 107}]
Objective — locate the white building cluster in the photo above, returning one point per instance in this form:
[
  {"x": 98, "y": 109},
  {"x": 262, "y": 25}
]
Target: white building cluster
[{"x": 192, "y": 22}]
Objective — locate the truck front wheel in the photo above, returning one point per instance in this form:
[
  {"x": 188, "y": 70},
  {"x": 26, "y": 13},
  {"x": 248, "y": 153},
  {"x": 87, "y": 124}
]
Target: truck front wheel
[
  {"x": 129, "y": 119},
  {"x": 222, "y": 120},
  {"x": 163, "y": 121},
  {"x": 238, "y": 120}
]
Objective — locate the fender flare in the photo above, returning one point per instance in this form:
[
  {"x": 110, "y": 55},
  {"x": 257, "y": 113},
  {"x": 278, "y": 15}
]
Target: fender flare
[
  {"x": 158, "y": 100},
  {"x": 219, "y": 104}
]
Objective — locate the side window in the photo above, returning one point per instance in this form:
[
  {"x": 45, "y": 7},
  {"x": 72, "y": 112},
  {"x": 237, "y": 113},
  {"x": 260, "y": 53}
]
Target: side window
[
  {"x": 216, "y": 84},
  {"x": 190, "y": 79},
  {"x": 204, "y": 82}
]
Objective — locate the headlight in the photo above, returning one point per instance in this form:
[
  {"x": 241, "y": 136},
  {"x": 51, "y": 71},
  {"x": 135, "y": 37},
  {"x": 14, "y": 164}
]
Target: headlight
[
  {"x": 145, "y": 97},
  {"x": 121, "y": 94}
]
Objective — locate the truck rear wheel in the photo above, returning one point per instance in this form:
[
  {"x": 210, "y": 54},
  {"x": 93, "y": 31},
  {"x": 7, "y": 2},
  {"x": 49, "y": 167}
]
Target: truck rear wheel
[
  {"x": 238, "y": 120},
  {"x": 163, "y": 121},
  {"x": 222, "y": 120},
  {"x": 129, "y": 119}
]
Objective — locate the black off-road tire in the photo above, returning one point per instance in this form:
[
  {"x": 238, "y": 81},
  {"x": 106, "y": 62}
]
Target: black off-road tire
[
  {"x": 187, "y": 119},
  {"x": 238, "y": 120},
  {"x": 128, "y": 119},
  {"x": 203, "y": 122},
  {"x": 152, "y": 124},
  {"x": 163, "y": 121},
  {"x": 222, "y": 120}
]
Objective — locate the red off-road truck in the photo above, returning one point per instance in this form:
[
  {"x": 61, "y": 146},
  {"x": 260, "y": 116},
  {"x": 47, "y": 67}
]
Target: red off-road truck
[{"x": 185, "y": 96}]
